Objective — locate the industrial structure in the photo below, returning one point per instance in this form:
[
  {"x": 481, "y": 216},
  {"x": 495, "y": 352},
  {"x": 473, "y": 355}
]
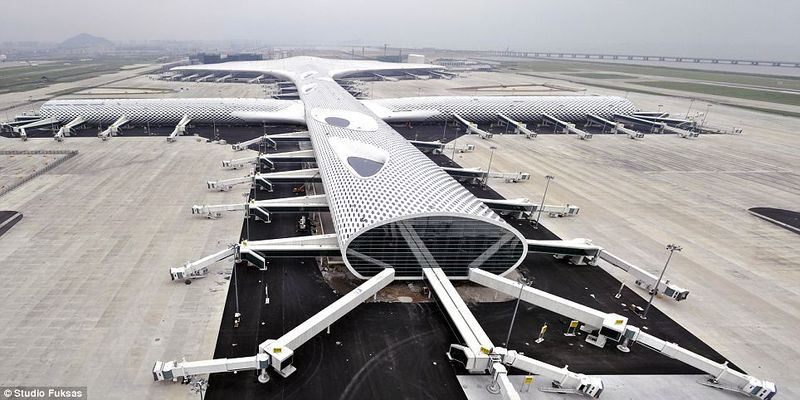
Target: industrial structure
[{"x": 395, "y": 213}]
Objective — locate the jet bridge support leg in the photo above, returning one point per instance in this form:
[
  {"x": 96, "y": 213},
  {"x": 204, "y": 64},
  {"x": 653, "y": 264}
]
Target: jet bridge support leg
[
  {"x": 471, "y": 127},
  {"x": 479, "y": 355},
  {"x": 565, "y": 127},
  {"x": 614, "y": 327},
  {"x": 644, "y": 279},
  {"x": 278, "y": 353},
  {"x": 582, "y": 252},
  {"x": 113, "y": 129},
  {"x": 66, "y": 130},
  {"x": 519, "y": 127},
  {"x": 272, "y": 140},
  {"x": 180, "y": 129}
]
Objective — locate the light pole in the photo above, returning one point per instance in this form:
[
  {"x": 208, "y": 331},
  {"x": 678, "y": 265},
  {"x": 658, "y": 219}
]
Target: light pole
[
  {"x": 672, "y": 248},
  {"x": 708, "y": 106},
  {"x": 541, "y": 206},
  {"x": 489, "y": 168},
  {"x": 522, "y": 283},
  {"x": 690, "y": 108}
]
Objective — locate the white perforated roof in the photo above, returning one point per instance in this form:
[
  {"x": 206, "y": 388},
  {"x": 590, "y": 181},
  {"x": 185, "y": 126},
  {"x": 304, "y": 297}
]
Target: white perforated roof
[{"x": 409, "y": 184}]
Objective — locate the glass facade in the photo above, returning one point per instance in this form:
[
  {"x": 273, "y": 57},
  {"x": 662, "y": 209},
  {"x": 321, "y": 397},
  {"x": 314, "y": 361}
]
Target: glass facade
[{"x": 454, "y": 244}]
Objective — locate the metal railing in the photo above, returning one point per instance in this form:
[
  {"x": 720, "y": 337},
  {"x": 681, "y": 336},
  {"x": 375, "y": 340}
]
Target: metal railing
[{"x": 67, "y": 155}]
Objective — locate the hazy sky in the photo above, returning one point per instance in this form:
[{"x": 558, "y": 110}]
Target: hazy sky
[{"x": 744, "y": 28}]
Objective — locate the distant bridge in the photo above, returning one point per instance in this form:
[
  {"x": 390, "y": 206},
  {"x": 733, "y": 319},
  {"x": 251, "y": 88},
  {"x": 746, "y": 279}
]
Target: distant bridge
[{"x": 630, "y": 57}]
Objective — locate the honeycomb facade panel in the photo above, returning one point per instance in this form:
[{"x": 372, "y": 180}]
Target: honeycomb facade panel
[
  {"x": 406, "y": 197},
  {"x": 236, "y": 110},
  {"x": 161, "y": 111},
  {"x": 390, "y": 204},
  {"x": 519, "y": 108}
]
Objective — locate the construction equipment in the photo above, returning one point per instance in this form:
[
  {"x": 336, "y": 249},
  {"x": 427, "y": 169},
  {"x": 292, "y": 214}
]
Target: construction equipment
[{"x": 609, "y": 326}]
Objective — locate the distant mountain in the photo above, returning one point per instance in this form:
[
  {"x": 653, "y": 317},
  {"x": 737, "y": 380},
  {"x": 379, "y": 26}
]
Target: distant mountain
[{"x": 85, "y": 40}]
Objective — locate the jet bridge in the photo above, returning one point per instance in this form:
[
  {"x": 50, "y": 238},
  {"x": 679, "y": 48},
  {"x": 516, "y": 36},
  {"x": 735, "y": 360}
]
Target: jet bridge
[
  {"x": 66, "y": 130},
  {"x": 223, "y": 78},
  {"x": 644, "y": 279},
  {"x": 564, "y": 127},
  {"x": 257, "y": 79},
  {"x": 254, "y": 252},
  {"x": 681, "y": 132},
  {"x": 522, "y": 208},
  {"x": 442, "y": 75},
  {"x": 180, "y": 129},
  {"x": 266, "y": 181},
  {"x": 415, "y": 76},
  {"x": 653, "y": 127},
  {"x": 437, "y": 147},
  {"x": 478, "y": 355},
  {"x": 612, "y": 127},
  {"x": 664, "y": 118},
  {"x": 205, "y": 78},
  {"x": 471, "y": 127},
  {"x": 476, "y": 175},
  {"x": 262, "y": 209},
  {"x": 385, "y": 78},
  {"x": 582, "y": 251},
  {"x": 519, "y": 127},
  {"x": 224, "y": 185},
  {"x": 189, "y": 77},
  {"x": 35, "y": 124},
  {"x": 272, "y": 140},
  {"x": 609, "y": 326},
  {"x": 278, "y": 354},
  {"x": 113, "y": 129},
  {"x": 269, "y": 160}
]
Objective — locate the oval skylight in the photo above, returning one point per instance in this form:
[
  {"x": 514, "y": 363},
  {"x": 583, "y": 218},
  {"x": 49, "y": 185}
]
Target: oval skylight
[
  {"x": 337, "y": 121},
  {"x": 362, "y": 159},
  {"x": 345, "y": 119},
  {"x": 364, "y": 166}
]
